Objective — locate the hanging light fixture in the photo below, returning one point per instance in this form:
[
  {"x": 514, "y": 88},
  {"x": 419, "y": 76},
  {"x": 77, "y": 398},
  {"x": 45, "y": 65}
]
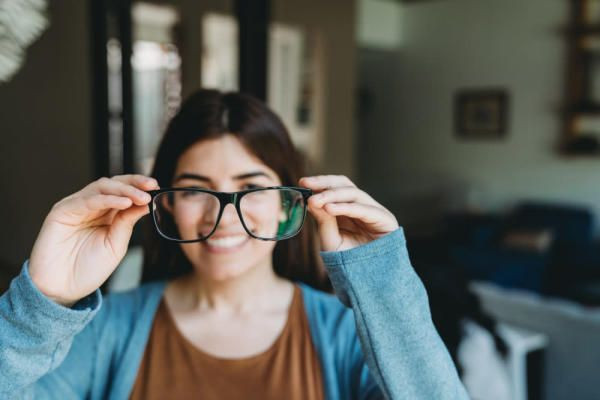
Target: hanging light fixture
[{"x": 21, "y": 22}]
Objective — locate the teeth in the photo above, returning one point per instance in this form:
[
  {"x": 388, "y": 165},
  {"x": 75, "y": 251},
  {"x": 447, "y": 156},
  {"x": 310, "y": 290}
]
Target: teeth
[{"x": 226, "y": 242}]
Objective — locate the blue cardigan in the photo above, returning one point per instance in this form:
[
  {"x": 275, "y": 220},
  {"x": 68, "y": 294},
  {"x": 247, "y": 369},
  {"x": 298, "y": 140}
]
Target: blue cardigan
[{"x": 94, "y": 349}]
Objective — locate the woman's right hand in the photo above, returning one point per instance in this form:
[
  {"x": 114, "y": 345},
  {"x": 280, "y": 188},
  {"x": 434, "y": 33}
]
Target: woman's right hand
[{"x": 85, "y": 236}]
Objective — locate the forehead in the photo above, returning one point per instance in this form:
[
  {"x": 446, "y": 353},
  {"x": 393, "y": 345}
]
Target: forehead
[{"x": 222, "y": 157}]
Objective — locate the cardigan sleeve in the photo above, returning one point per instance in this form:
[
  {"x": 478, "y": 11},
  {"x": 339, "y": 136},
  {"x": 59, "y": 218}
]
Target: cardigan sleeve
[
  {"x": 36, "y": 335},
  {"x": 401, "y": 346}
]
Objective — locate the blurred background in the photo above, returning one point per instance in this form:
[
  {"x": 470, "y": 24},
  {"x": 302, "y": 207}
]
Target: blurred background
[{"x": 475, "y": 121}]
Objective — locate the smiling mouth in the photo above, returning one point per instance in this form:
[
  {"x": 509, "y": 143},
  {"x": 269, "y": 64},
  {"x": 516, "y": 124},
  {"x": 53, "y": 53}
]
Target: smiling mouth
[{"x": 227, "y": 242}]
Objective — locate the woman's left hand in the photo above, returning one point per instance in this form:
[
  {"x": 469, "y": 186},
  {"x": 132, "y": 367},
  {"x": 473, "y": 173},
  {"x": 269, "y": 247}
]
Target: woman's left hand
[{"x": 346, "y": 216}]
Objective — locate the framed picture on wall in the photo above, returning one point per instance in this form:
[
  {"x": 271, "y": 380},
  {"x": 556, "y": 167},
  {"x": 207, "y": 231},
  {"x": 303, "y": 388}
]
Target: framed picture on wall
[{"x": 481, "y": 113}]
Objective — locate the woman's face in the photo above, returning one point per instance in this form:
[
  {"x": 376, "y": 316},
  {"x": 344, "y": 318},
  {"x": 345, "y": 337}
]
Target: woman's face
[{"x": 225, "y": 165}]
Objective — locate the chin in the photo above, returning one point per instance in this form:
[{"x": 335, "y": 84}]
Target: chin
[
  {"x": 222, "y": 266},
  {"x": 222, "y": 271}
]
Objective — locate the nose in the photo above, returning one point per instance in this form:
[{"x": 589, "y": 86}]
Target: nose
[{"x": 229, "y": 217}]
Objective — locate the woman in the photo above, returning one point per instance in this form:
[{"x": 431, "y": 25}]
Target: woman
[{"x": 231, "y": 320}]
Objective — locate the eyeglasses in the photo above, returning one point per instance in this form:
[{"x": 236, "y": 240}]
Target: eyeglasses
[{"x": 188, "y": 215}]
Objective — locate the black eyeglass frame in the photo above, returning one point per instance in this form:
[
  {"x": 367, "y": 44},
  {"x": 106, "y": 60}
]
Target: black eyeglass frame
[{"x": 226, "y": 198}]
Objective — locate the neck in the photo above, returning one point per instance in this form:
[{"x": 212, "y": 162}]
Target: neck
[{"x": 254, "y": 289}]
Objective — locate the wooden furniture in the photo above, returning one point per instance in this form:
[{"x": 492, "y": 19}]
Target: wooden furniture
[{"x": 582, "y": 105}]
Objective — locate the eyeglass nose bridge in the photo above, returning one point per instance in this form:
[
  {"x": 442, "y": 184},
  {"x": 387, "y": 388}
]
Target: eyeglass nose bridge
[{"x": 226, "y": 198}]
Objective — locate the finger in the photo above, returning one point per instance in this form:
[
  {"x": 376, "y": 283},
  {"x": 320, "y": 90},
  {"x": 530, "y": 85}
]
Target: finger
[
  {"x": 117, "y": 188},
  {"x": 320, "y": 215},
  {"x": 106, "y": 201},
  {"x": 348, "y": 194},
  {"x": 323, "y": 182},
  {"x": 122, "y": 227},
  {"x": 142, "y": 182},
  {"x": 131, "y": 215},
  {"x": 379, "y": 219},
  {"x": 327, "y": 226},
  {"x": 83, "y": 204}
]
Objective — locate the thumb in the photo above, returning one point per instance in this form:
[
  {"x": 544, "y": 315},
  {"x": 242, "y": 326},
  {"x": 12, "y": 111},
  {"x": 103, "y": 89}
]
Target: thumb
[
  {"x": 122, "y": 226},
  {"x": 327, "y": 226}
]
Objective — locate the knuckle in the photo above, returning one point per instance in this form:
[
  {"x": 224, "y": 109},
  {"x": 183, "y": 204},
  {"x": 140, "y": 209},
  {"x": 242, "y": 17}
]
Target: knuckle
[
  {"x": 125, "y": 178},
  {"x": 58, "y": 205},
  {"x": 88, "y": 201},
  {"x": 87, "y": 188}
]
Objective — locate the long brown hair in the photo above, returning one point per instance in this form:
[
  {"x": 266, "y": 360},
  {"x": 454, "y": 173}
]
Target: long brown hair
[{"x": 209, "y": 114}]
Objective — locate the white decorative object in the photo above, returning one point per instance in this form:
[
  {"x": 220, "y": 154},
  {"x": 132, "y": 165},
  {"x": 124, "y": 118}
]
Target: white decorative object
[
  {"x": 219, "y": 52},
  {"x": 21, "y": 22},
  {"x": 485, "y": 374}
]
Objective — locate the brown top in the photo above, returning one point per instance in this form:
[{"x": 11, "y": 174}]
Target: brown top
[{"x": 173, "y": 368}]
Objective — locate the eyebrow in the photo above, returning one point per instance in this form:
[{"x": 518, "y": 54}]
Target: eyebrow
[{"x": 187, "y": 175}]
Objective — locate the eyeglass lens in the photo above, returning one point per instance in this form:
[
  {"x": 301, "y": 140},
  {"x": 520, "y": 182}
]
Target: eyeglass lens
[{"x": 270, "y": 214}]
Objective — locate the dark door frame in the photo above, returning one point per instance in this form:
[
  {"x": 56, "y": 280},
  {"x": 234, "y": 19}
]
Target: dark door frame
[
  {"x": 102, "y": 15},
  {"x": 253, "y": 28},
  {"x": 112, "y": 18}
]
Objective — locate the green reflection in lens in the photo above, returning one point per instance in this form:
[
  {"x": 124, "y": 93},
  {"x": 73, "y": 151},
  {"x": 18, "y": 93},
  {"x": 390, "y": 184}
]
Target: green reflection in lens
[{"x": 294, "y": 215}]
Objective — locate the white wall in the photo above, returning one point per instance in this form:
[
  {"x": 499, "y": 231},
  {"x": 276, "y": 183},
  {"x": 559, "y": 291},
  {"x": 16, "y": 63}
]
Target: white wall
[
  {"x": 448, "y": 45},
  {"x": 378, "y": 24},
  {"x": 333, "y": 22}
]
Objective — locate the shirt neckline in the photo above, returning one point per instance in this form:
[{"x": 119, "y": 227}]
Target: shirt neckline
[{"x": 296, "y": 298}]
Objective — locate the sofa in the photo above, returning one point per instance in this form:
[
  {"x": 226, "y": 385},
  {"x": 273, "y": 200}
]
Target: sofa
[{"x": 542, "y": 247}]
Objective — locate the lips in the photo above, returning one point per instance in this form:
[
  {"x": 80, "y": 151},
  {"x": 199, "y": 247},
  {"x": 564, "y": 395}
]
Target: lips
[{"x": 227, "y": 242}]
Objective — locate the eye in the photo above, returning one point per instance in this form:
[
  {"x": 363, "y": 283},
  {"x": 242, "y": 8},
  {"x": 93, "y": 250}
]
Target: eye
[
  {"x": 196, "y": 187},
  {"x": 249, "y": 186},
  {"x": 189, "y": 194}
]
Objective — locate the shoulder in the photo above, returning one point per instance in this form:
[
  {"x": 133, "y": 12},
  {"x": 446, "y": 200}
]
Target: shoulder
[
  {"x": 138, "y": 294},
  {"x": 327, "y": 315},
  {"x": 334, "y": 334},
  {"x": 131, "y": 304},
  {"x": 323, "y": 300}
]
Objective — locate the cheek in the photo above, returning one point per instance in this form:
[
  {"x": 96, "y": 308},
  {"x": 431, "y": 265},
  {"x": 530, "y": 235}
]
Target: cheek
[
  {"x": 189, "y": 216},
  {"x": 185, "y": 218},
  {"x": 263, "y": 215}
]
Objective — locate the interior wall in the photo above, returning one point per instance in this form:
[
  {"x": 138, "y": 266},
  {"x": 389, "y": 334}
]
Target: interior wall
[
  {"x": 334, "y": 23},
  {"x": 414, "y": 158},
  {"x": 45, "y": 113}
]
